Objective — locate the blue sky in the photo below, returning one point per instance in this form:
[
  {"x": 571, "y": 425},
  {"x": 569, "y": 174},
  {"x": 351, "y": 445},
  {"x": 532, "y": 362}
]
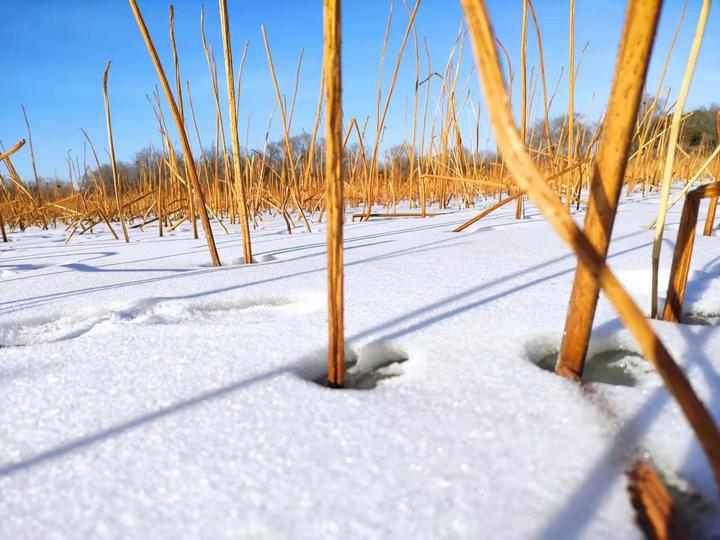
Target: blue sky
[{"x": 54, "y": 54}]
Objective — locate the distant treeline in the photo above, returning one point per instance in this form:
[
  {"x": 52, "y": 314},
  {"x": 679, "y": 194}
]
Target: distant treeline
[
  {"x": 699, "y": 133},
  {"x": 701, "y": 129}
]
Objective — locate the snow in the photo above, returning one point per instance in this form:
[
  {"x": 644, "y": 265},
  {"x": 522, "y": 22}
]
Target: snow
[{"x": 145, "y": 394}]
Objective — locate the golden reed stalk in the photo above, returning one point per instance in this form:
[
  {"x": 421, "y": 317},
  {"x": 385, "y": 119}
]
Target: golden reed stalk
[
  {"x": 609, "y": 175},
  {"x": 672, "y": 146},
  {"x": 179, "y": 124},
  {"x": 334, "y": 181},
  {"x": 234, "y": 139},
  {"x": 113, "y": 163}
]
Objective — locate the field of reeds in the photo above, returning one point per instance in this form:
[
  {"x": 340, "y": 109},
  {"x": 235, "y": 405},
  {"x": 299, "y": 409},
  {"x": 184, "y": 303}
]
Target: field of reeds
[
  {"x": 435, "y": 170},
  {"x": 552, "y": 156}
]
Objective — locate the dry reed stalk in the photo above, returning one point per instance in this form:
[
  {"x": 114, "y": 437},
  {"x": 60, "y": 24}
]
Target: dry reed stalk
[
  {"x": 502, "y": 203},
  {"x": 3, "y": 232},
  {"x": 113, "y": 163},
  {"x": 2, "y": 228},
  {"x": 488, "y": 211},
  {"x": 181, "y": 107},
  {"x": 234, "y": 139},
  {"x": 187, "y": 151},
  {"x": 220, "y": 128},
  {"x": 8, "y": 153},
  {"x": 307, "y": 172},
  {"x": 413, "y": 144},
  {"x": 3, "y": 156},
  {"x": 571, "y": 99},
  {"x": 334, "y": 181},
  {"x": 672, "y": 144},
  {"x": 655, "y": 508},
  {"x": 528, "y": 178},
  {"x": 364, "y": 215},
  {"x": 523, "y": 92},
  {"x": 680, "y": 268},
  {"x": 32, "y": 156},
  {"x": 380, "y": 120},
  {"x": 541, "y": 60},
  {"x": 203, "y": 158},
  {"x": 712, "y": 205},
  {"x": 646, "y": 122},
  {"x": 608, "y": 175},
  {"x": 710, "y": 218},
  {"x": 689, "y": 185},
  {"x": 292, "y": 186}
]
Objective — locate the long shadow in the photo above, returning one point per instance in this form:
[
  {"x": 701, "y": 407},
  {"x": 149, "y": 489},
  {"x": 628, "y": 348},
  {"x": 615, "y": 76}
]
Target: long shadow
[
  {"x": 106, "y": 254},
  {"x": 571, "y": 520},
  {"x": 574, "y": 517},
  {"x": 65, "y": 255},
  {"x": 696, "y": 357},
  {"x": 472, "y": 305},
  {"x": 119, "y": 429},
  {"x": 80, "y": 267},
  {"x": 31, "y": 267},
  {"x": 18, "y": 305},
  {"x": 199, "y": 249},
  {"x": 22, "y": 267}
]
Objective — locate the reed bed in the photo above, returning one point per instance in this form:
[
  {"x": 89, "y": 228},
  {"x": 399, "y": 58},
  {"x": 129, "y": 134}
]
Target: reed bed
[
  {"x": 589, "y": 245},
  {"x": 434, "y": 171},
  {"x": 634, "y": 148}
]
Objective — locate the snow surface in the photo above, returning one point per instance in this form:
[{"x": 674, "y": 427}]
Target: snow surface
[{"x": 144, "y": 394}]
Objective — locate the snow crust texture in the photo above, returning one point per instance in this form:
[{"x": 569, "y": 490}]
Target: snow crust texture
[{"x": 144, "y": 394}]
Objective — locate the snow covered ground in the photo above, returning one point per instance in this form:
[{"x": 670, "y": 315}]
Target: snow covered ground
[{"x": 144, "y": 394}]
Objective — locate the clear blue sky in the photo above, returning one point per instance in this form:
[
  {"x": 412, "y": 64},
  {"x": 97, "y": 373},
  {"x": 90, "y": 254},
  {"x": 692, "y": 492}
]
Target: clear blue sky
[{"x": 54, "y": 54}]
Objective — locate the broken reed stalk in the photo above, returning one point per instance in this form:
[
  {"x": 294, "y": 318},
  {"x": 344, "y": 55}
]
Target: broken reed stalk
[
  {"x": 541, "y": 61},
  {"x": 672, "y": 146},
  {"x": 113, "y": 163},
  {"x": 712, "y": 206},
  {"x": 334, "y": 182},
  {"x": 7, "y": 154},
  {"x": 3, "y": 156},
  {"x": 234, "y": 138},
  {"x": 488, "y": 211},
  {"x": 2, "y": 228},
  {"x": 179, "y": 124},
  {"x": 608, "y": 175},
  {"x": 521, "y": 166},
  {"x": 289, "y": 158},
  {"x": 656, "y": 511},
  {"x": 680, "y": 268},
  {"x": 681, "y": 194},
  {"x": 380, "y": 120},
  {"x": 710, "y": 218},
  {"x": 502, "y": 203},
  {"x": 32, "y": 156},
  {"x": 178, "y": 89}
]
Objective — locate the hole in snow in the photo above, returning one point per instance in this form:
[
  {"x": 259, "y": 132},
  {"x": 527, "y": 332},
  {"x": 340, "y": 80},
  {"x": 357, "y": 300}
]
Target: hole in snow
[
  {"x": 701, "y": 318},
  {"x": 265, "y": 257},
  {"x": 240, "y": 261},
  {"x": 616, "y": 366},
  {"x": 374, "y": 365}
]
